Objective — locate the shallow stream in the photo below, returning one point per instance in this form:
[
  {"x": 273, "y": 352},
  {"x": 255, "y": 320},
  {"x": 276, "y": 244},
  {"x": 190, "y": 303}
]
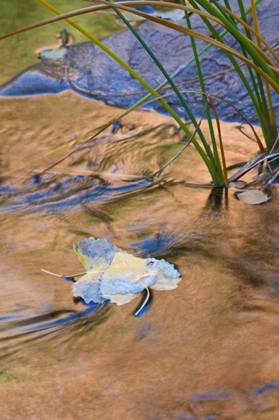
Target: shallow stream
[{"x": 206, "y": 350}]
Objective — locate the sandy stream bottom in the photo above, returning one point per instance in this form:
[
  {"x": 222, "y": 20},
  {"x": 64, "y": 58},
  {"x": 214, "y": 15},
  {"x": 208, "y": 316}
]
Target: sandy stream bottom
[{"x": 207, "y": 350}]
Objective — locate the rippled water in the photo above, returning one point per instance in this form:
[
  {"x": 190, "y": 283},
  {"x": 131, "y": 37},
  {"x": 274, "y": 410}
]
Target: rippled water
[{"x": 206, "y": 350}]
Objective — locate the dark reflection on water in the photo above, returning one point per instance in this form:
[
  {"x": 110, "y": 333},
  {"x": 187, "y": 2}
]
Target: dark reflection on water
[
  {"x": 17, "y": 332},
  {"x": 71, "y": 193},
  {"x": 163, "y": 243},
  {"x": 217, "y": 200}
]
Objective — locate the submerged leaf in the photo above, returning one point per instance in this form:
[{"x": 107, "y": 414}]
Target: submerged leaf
[
  {"x": 252, "y": 197},
  {"x": 114, "y": 275}
]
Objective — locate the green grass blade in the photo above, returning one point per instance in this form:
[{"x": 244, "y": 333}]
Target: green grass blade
[
  {"x": 260, "y": 67},
  {"x": 261, "y": 117},
  {"x": 142, "y": 81},
  {"x": 260, "y": 95},
  {"x": 170, "y": 81},
  {"x": 192, "y": 60},
  {"x": 258, "y": 59},
  {"x": 120, "y": 62},
  {"x": 203, "y": 89},
  {"x": 274, "y": 132},
  {"x": 257, "y": 86}
]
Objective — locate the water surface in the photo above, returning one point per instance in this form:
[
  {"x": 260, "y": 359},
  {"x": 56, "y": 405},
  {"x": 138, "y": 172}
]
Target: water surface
[{"x": 207, "y": 350}]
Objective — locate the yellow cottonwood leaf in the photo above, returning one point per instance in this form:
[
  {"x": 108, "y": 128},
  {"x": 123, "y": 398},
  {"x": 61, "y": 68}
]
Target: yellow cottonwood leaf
[{"x": 117, "y": 276}]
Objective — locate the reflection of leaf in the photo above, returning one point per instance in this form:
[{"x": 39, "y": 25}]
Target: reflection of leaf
[
  {"x": 252, "y": 197},
  {"x": 117, "y": 276}
]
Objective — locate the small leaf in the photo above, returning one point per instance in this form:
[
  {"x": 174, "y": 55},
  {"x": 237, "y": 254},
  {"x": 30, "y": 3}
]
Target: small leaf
[
  {"x": 53, "y": 53},
  {"x": 173, "y": 14},
  {"x": 117, "y": 276},
  {"x": 238, "y": 184},
  {"x": 252, "y": 197}
]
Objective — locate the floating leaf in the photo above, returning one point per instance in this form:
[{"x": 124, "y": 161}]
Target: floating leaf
[
  {"x": 53, "y": 53},
  {"x": 252, "y": 197},
  {"x": 173, "y": 14},
  {"x": 117, "y": 276},
  {"x": 238, "y": 184}
]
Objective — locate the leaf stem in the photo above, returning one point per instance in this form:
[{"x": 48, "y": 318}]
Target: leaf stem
[
  {"x": 61, "y": 276},
  {"x": 144, "y": 302}
]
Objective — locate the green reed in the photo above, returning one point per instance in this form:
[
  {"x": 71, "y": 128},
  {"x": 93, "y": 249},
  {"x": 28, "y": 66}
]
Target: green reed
[{"x": 257, "y": 56}]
